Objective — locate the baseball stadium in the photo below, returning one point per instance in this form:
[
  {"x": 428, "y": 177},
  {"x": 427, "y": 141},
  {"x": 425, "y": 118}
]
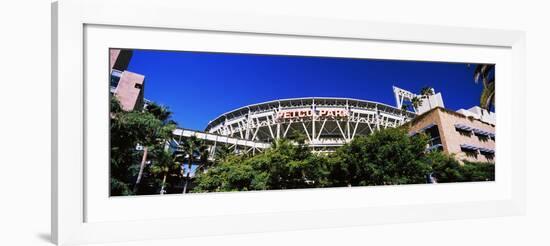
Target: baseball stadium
[{"x": 325, "y": 122}]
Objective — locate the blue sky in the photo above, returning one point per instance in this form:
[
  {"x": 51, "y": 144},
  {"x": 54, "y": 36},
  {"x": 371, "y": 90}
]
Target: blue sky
[{"x": 199, "y": 86}]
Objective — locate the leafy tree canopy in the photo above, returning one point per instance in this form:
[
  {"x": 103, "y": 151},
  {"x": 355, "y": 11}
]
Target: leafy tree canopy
[{"x": 387, "y": 157}]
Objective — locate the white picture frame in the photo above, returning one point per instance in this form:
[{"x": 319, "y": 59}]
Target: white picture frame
[{"x": 80, "y": 217}]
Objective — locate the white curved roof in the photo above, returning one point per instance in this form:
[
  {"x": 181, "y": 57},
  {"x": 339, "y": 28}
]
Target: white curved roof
[{"x": 300, "y": 102}]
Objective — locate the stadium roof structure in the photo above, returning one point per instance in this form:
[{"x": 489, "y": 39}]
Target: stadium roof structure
[{"x": 326, "y": 122}]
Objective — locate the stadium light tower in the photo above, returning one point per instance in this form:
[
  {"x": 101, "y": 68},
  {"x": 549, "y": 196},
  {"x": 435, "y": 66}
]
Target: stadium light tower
[{"x": 403, "y": 96}]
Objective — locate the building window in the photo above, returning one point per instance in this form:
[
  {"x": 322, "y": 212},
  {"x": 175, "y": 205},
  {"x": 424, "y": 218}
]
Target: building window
[
  {"x": 482, "y": 135},
  {"x": 464, "y": 130},
  {"x": 434, "y": 141},
  {"x": 489, "y": 157},
  {"x": 488, "y": 153},
  {"x": 482, "y": 138},
  {"x": 115, "y": 77},
  {"x": 470, "y": 151}
]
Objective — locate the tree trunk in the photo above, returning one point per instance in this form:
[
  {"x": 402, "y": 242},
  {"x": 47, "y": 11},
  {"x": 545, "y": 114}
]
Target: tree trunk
[
  {"x": 141, "y": 167},
  {"x": 188, "y": 174},
  {"x": 162, "y": 191}
]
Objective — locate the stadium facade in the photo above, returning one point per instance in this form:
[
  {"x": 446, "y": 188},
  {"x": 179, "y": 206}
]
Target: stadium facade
[{"x": 324, "y": 122}]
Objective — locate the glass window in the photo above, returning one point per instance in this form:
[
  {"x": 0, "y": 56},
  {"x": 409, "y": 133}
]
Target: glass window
[
  {"x": 115, "y": 77},
  {"x": 434, "y": 142}
]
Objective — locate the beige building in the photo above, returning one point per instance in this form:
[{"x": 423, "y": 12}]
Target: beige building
[
  {"x": 127, "y": 86},
  {"x": 467, "y": 137}
]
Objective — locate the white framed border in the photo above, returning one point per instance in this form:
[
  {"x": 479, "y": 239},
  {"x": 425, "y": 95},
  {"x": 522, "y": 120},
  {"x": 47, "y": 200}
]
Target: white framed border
[
  {"x": 99, "y": 207},
  {"x": 71, "y": 222}
]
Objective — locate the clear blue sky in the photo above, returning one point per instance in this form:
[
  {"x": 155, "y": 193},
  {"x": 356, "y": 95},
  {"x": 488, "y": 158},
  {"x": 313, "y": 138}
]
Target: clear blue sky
[{"x": 198, "y": 86}]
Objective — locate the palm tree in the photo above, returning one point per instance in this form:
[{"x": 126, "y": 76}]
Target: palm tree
[
  {"x": 404, "y": 107},
  {"x": 221, "y": 152},
  {"x": 165, "y": 163},
  {"x": 416, "y": 102},
  {"x": 191, "y": 145},
  {"x": 159, "y": 137},
  {"x": 485, "y": 74},
  {"x": 203, "y": 157},
  {"x": 160, "y": 112},
  {"x": 426, "y": 92}
]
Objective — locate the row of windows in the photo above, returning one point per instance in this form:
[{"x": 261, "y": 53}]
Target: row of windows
[
  {"x": 435, "y": 144},
  {"x": 476, "y": 153},
  {"x": 467, "y": 131}
]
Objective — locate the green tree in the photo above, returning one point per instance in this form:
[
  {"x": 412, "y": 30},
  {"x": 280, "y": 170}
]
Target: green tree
[
  {"x": 478, "y": 171},
  {"x": 222, "y": 151},
  {"x": 160, "y": 127},
  {"x": 164, "y": 163},
  {"x": 287, "y": 165},
  {"x": 445, "y": 168},
  {"x": 426, "y": 92},
  {"x": 416, "y": 103},
  {"x": 404, "y": 108},
  {"x": 192, "y": 146},
  {"x": 203, "y": 157},
  {"x": 128, "y": 129},
  {"x": 486, "y": 74},
  {"x": 386, "y": 157}
]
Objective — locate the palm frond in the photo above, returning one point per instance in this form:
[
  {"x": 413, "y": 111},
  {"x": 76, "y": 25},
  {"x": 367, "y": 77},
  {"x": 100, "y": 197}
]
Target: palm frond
[
  {"x": 427, "y": 91},
  {"x": 487, "y": 98}
]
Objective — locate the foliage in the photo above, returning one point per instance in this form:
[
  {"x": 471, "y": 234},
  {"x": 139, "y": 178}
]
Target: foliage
[
  {"x": 478, "y": 171},
  {"x": 426, "y": 92},
  {"x": 130, "y": 129},
  {"x": 285, "y": 166},
  {"x": 221, "y": 152},
  {"x": 164, "y": 163},
  {"x": 196, "y": 150},
  {"x": 416, "y": 103},
  {"x": 445, "y": 168},
  {"x": 386, "y": 157},
  {"x": 486, "y": 74}
]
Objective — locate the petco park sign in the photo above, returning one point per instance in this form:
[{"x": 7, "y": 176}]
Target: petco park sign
[{"x": 308, "y": 113}]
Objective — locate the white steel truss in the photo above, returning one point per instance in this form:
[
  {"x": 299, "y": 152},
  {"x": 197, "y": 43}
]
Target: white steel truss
[
  {"x": 325, "y": 122},
  {"x": 235, "y": 144}
]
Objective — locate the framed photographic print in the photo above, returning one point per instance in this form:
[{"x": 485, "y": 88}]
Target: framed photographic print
[{"x": 223, "y": 122}]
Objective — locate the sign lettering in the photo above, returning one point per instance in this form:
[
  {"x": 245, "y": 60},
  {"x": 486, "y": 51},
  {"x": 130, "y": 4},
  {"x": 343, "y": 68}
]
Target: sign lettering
[{"x": 307, "y": 113}]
